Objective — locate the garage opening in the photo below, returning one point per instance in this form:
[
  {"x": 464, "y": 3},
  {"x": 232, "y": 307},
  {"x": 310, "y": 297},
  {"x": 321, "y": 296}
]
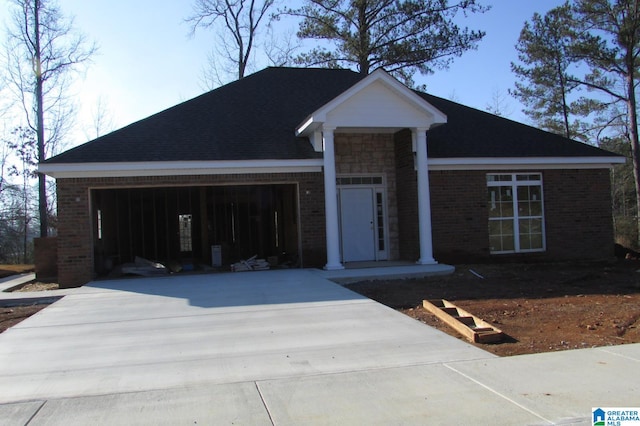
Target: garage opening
[{"x": 209, "y": 225}]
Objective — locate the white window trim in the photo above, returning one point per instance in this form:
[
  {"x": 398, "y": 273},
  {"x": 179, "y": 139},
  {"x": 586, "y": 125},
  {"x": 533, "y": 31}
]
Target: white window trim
[{"x": 514, "y": 184}]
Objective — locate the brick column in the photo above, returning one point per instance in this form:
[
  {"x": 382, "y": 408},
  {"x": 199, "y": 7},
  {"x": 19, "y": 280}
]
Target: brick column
[{"x": 75, "y": 242}]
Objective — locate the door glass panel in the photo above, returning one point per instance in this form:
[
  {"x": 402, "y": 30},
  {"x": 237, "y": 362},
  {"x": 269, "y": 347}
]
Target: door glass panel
[
  {"x": 380, "y": 220},
  {"x": 184, "y": 220}
]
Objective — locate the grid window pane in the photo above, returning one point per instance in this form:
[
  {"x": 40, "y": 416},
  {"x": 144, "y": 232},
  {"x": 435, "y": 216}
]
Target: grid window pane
[{"x": 515, "y": 209}]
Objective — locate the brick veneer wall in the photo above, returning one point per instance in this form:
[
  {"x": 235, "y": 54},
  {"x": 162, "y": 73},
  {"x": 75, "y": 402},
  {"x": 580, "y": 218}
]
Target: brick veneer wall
[
  {"x": 459, "y": 214},
  {"x": 75, "y": 248},
  {"x": 407, "y": 197},
  {"x": 75, "y": 242},
  {"x": 578, "y": 220},
  {"x": 46, "y": 258},
  {"x": 578, "y": 213},
  {"x": 372, "y": 154},
  {"x": 577, "y": 206}
]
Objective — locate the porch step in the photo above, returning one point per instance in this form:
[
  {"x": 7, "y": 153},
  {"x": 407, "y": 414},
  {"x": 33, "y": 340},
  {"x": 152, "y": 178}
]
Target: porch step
[{"x": 471, "y": 327}]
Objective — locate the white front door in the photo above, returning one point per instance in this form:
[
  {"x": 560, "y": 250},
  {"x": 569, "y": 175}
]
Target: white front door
[{"x": 358, "y": 228}]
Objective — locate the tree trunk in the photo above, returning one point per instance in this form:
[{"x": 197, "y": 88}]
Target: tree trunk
[
  {"x": 635, "y": 144},
  {"x": 42, "y": 181}
]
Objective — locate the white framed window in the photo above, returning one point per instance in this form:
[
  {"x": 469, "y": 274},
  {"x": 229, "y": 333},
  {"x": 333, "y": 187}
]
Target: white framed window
[{"x": 516, "y": 213}]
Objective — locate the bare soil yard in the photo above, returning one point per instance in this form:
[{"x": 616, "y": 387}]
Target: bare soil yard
[
  {"x": 10, "y": 316},
  {"x": 541, "y": 307}
]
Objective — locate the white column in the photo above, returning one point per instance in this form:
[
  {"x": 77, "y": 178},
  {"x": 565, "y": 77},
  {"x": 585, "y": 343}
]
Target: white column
[
  {"x": 424, "y": 198},
  {"x": 331, "y": 201}
]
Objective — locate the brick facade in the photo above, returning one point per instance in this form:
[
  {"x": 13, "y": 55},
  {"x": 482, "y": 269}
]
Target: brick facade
[
  {"x": 408, "y": 230},
  {"x": 577, "y": 204},
  {"x": 577, "y": 213},
  {"x": 578, "y": 219},
  {"x": 75, "y": 222},
  {"x": 46, "y": 258}
]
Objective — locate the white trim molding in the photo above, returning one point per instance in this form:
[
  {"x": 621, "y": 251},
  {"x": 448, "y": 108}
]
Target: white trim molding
[
  {"x": 522, "y": 163},
  {"x": 179, "y": 168},
  {"x": 357, "y": 109}
]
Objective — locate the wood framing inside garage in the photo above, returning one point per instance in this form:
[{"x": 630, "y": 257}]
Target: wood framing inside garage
[{"x": 181, "y": 224}]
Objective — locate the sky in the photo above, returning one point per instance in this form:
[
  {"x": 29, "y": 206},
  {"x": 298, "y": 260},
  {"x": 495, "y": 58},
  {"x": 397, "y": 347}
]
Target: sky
[{"x": 147, "y": 61}]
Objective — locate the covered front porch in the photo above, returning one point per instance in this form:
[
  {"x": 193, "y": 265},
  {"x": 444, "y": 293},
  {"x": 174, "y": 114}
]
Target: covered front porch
[{"x": 356, "y": 217}]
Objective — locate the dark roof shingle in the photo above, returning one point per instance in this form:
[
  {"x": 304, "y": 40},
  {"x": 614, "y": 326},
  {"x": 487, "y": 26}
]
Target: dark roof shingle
[{"x": 255, "y": 118}]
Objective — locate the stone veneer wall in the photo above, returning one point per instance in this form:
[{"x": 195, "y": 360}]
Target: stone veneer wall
[
  {"x": 368, "y": 153},
  {"x": 75, "y": 223}
]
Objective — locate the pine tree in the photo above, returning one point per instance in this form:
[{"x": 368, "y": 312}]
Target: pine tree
[{"x": 402, "y": 37}]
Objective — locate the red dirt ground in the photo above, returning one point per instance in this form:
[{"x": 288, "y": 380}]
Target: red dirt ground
[{"x": 540, "y": 307}]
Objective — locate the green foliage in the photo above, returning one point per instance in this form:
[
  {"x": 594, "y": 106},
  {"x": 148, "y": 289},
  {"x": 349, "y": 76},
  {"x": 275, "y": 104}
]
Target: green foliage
[
  {"x": 592, "y": 46},
  {"x": 401, "y": 36},
  {"x": 17, "y": 198},
  {"x": 623, "y": 195},
  {"x": 547, "y": 58}
]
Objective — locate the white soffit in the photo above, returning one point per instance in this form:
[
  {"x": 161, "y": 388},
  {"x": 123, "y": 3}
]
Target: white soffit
[
  {"x": 377, "y": 101},
  {"x": 179, "y": 168}
]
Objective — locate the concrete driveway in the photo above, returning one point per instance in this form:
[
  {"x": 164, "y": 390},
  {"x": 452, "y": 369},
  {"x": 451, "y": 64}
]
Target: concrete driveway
[{"x": 279, "y": 347}]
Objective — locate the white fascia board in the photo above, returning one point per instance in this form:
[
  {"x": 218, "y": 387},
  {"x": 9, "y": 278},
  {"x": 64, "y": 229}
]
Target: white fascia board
[
  {"x": 522, "y": 163},
  {"x": 305, "y": 127},
  {"x": 179, "y": 168}
]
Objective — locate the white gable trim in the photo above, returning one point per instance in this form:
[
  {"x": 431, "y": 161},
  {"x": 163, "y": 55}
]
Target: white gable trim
[
  {"x": 179, "y": 168},
  {"x": 429, "y": 115},
  {"x": 522, "y": 163}
]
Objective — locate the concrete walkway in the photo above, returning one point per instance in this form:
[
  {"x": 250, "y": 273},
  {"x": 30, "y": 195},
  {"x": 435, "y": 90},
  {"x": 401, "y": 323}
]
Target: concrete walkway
[{"x": 284, "y": 348}]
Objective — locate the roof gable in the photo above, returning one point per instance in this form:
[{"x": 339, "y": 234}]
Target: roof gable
[{"x": 377, "y": 102}]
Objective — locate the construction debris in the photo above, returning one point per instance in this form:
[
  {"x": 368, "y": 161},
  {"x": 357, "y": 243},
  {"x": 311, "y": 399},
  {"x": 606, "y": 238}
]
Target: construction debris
[
  {"x": 476, "y": 274},
  {"x": 251, "y": 264},
  {"x": 144, "y": 267}
]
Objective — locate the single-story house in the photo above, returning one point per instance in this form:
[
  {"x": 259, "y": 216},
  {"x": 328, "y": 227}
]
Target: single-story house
[{"x": 323, "y": 167}]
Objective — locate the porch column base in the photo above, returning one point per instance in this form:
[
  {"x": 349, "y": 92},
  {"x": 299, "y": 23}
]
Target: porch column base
[
  {"x": 333, "y": 267},
  {"x": 426, "y": 262}
]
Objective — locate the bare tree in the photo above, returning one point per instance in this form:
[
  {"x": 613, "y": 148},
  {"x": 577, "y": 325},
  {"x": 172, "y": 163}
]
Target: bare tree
[
  {"x": 281, "y": 49},
  {"x": 101, "y": 119},
  {"x": 240, "y": 20},
  {"x": 499, "y": 105},
  {"x": 42, "y": 53}
]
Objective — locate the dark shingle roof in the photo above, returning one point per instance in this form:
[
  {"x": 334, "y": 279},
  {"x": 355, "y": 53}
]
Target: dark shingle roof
[
  {"x": 255, "y": 118},
  {"x": 473, "y": 133},
  {"x": 252, "y": 118}
]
